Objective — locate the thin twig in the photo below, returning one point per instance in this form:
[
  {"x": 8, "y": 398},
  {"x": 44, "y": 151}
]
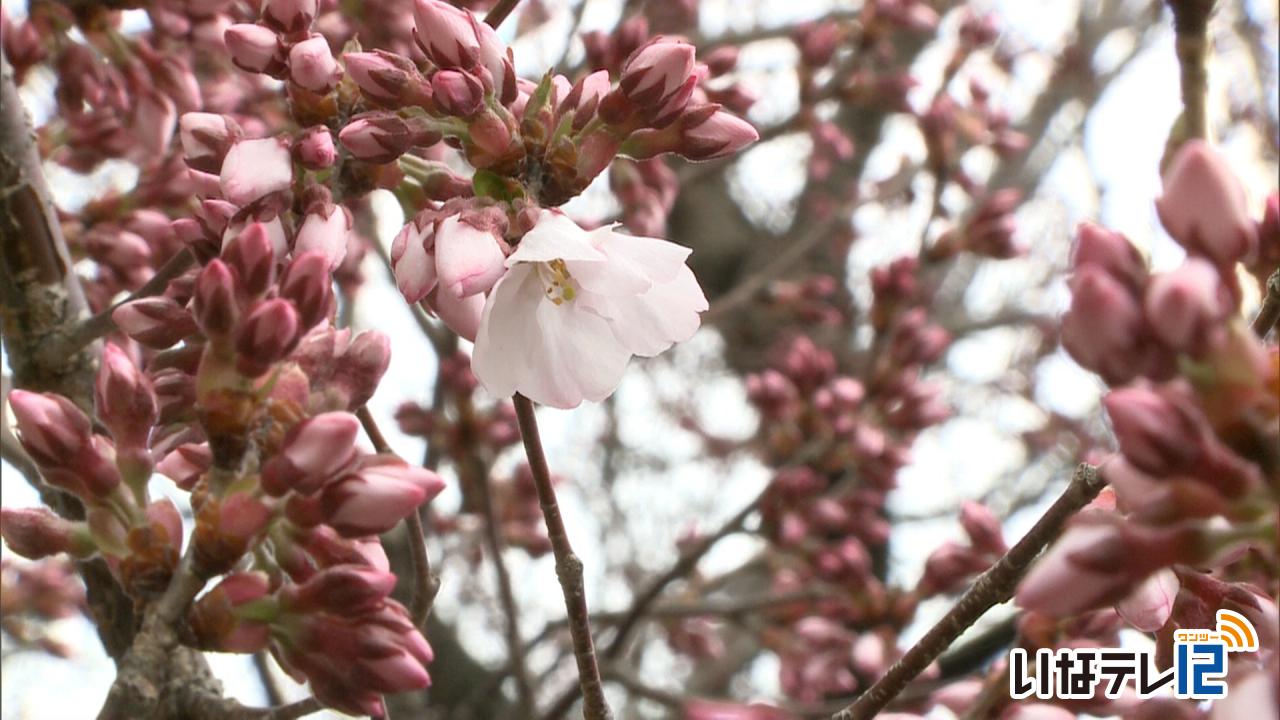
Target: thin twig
[
  {"x": 993, "y": 587},
  {"x": 292, "y": 711},
  {"x": 505, "y": 595},
  {"x": 500, "y": 12},
  {"x": 101, "y": 324},
  {"x": 568, "y": 566},
  {"x": 1269, "y": 313},
  {"x": 425, "y": 583},
  {"x": 269, "y": 685}
]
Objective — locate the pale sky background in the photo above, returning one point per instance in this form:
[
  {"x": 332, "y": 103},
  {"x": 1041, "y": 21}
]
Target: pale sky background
[{"x": 960, "y": 459}]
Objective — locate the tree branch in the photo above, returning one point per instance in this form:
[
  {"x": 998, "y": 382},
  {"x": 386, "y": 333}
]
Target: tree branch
[
  {"x": 568, "y": 566},
  {"x": 425, "y": 583},
  {"x": 993, "y": 587},
  {"x": 1191, "y": 25},
  {"x": 1269, "y": 313}
]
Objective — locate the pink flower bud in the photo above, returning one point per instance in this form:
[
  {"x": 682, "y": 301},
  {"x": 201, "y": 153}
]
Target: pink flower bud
[
  {"x": 382, "y": 76},
  {"x": 363, "y": 365},
  {"x": 51, "y": 427},
  {"x": 308, "y": 284},
  {"x": 412, "y": 260},
  {"x": 1111, "y": 252},
  {"x": 983, "y": 528},
  {"x": 1103, "y": 328},
  {"x": 1204, "y": 206},
  {"x": 457, "y": 92},
  {"x": 327, "y": 235},
  {"x": 1148, "y": 607},
  {"x": 186, "y": 464},
  {"x": 290, "y": 16},
  {"x": 124, "y": 399},
  {"x": 1188, "y": 307},
  {"x": 381, "y": 137},
  {"x": 313, "y": 453},
  {"x": 496, "y": 70},
  {"x": 254, "y": 48},
  {"x": 720, "y": 135},
  {"x": 226, "y": 528},
  {"x": 156, "y": 322},
  {"x": 343, "y": 589},
  {"x": 377, "y": 496},
  {"x": 266, "y": 336},
  {"x": 1060, "y": 587},
  {"x": 206, "y": 138},
  {"x": 251, "y": 255},
  {"x": 445, "y": 34},
  {"x": 490, "y": 134},
  {"x": 36, "y": 533},
  {"x": 656, "y": 71},
  {"x": 312, "y": 66},
  {"x": 818, "y": 42},
  {"x": 254, "y": 168},
  {"x": 722, "y": 60},
  {"x": 215, "y": 619},
  {"x": 314, "y": 149},
  {"x": 469, "y": 260},
  {"x": 1159, "y": 433},
  {"x": 214, "y": 301},
  {"x": 461, "y": 315},
  {"x": 948, "y": 567}
]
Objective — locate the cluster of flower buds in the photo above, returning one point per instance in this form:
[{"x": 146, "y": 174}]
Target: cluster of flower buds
[
  {"x": 33, "y": 595},
  {"x": 282, "y": 46},
  {"x": 333, "y": 625},
  {"x": 828, "y": 527},
  {"x": 951, "y": 564},
  {"x": 1194, "y": 407},
  {"x": 988, "y": 231},
  {"x": 545, "y": 141},
  {"x": 246, "y": 402},
  {"x": 140, "y": 539}
]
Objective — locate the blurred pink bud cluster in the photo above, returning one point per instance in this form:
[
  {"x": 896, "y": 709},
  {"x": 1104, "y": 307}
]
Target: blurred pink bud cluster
[
  {"x": 1193, "y": 402},
  {"x": 33, "y": 595},
  {"x": 282, "y": 45}
]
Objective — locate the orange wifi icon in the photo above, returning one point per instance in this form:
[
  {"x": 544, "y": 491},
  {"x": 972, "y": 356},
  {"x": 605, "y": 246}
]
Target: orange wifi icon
[{"x": 1236, "y": 632}]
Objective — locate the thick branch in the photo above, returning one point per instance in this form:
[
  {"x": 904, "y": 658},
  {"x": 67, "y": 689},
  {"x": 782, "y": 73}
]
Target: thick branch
[
  {"x": 568, "y": 566},
  {"x": 1191, "y": 25},
  {"x": 993, "y": 587},
  {"x": 1269, "y": 313}
]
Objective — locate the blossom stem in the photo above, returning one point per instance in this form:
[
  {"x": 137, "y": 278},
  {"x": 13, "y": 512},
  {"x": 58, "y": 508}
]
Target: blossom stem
[
  {"x": 425, "y": 583},
  {"x": 568, "y": 566},
  {"x": 1269, "y": 313},
  {"x": 993, "y": 587},
  {"x": 500, "y": 12},
  {"x": 1191, "y": 25},
  {"x": 101, "y": 324}
]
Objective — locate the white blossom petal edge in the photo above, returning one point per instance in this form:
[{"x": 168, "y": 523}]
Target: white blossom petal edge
[{"x": 573, "y": 307}]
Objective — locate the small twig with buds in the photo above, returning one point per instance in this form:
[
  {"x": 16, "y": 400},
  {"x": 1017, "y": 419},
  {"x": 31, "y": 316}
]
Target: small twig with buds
[
  {"x": 568, "y": 566},
  {"x": 1269, "y": 313},
  {"x": 425, "y": 583},
  {"x": 1191, "y": 23},
  {"x": 993, "y": 587},
  {"x": 100, "y": 324}
]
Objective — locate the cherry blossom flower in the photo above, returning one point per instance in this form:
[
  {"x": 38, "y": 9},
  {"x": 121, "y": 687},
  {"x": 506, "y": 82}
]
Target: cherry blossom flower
[{"x": 560, "y": 326}]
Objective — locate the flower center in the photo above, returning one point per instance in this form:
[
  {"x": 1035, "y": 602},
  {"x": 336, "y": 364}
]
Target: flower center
[{"x": 560, "y": 286}]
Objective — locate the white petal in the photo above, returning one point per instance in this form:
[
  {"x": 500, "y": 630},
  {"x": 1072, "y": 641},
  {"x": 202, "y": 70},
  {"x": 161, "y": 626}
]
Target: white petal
[
  {"x": 555, "y": 237},
  {"x": 577, "y": 358},
  {"x": 328, "y": 235},
  {"x": 650, "y": 323},
  {"x": 658, "y": 260},
  {"x": 506, "y": 325}
]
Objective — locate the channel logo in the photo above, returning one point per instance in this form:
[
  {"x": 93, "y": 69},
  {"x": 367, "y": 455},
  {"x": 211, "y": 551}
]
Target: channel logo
[{"x": 1198, "y": 673}]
